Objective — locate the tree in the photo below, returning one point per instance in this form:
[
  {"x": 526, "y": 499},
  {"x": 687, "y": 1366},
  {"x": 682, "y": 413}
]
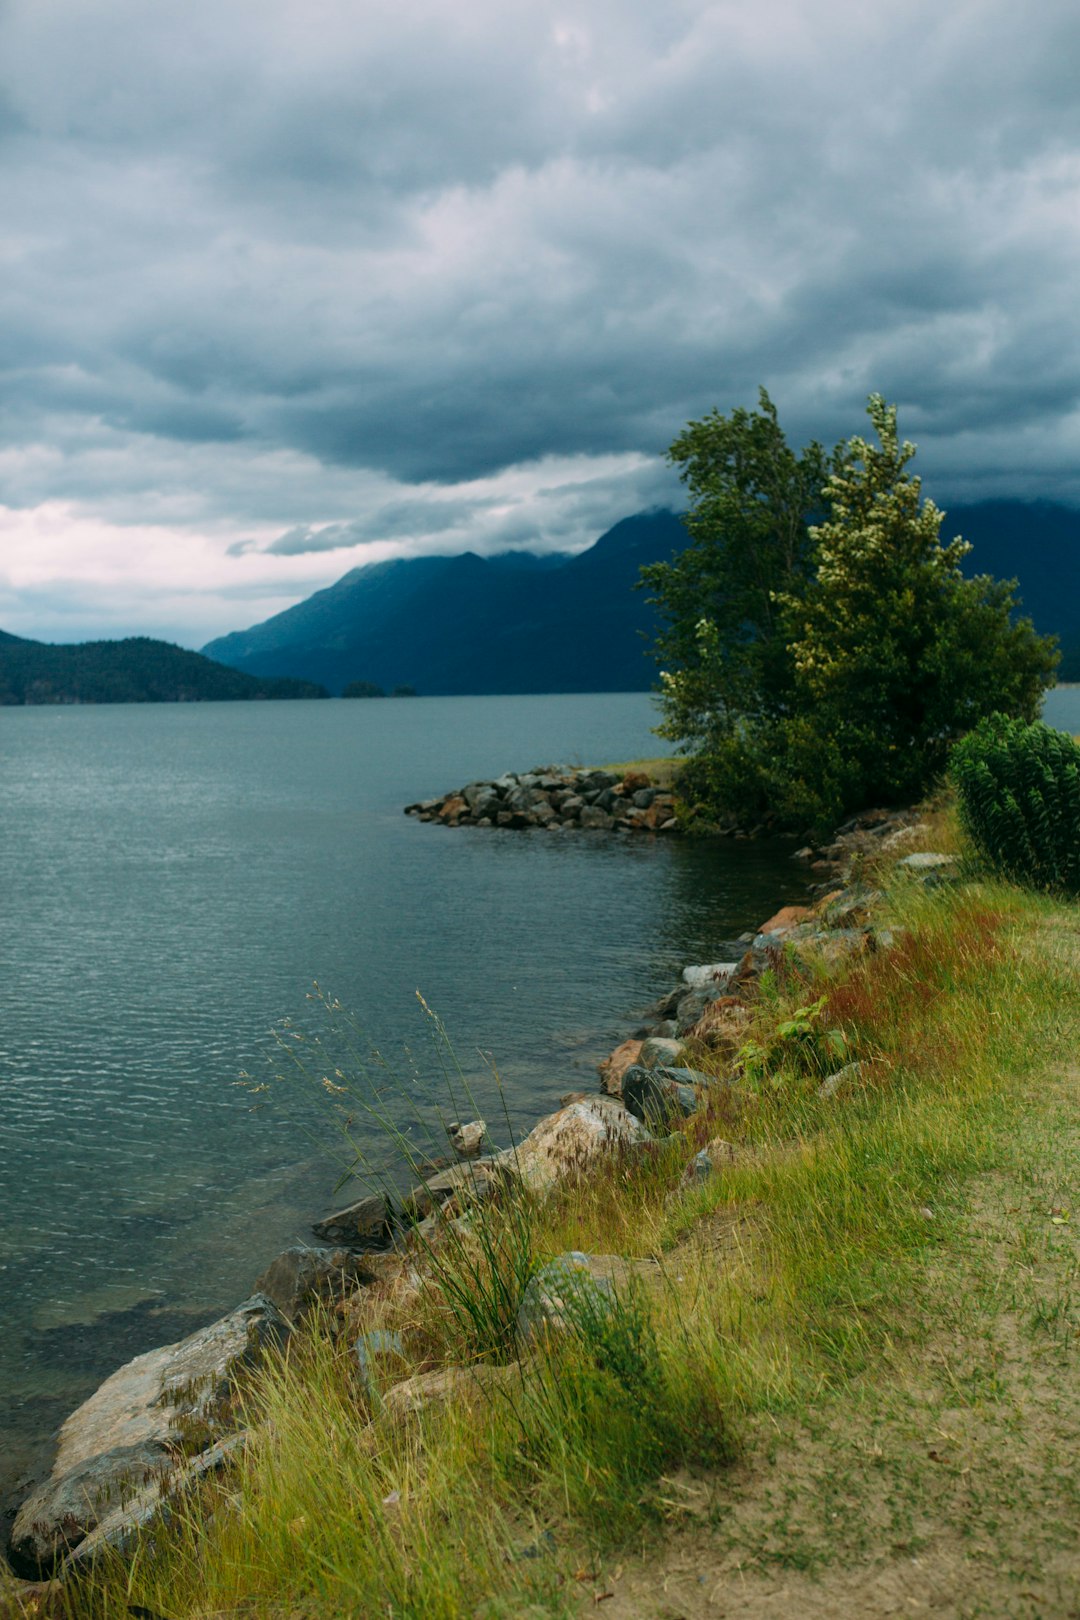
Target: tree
[
  {"x": 722, "y": 646},
  {"x": 891, "y": 655}
]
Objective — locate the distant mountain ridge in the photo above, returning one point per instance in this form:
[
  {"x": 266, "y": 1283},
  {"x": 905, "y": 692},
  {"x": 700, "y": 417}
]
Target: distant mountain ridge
[
  {"x": 468, "y": 624},
  {"x": 521, "y": 623},
  {"x": 135, "y": 670}
]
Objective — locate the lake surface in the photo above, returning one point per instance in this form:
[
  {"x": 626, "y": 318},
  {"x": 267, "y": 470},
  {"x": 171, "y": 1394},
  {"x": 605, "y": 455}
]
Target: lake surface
[{"x": 176, "y": 878}]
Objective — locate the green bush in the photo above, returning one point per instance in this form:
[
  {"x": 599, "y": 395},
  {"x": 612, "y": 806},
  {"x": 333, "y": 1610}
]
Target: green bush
[{"x": 1019, "y": 791}]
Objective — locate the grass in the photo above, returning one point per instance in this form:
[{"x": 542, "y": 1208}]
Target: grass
[{"x": 786, "y": 1286}]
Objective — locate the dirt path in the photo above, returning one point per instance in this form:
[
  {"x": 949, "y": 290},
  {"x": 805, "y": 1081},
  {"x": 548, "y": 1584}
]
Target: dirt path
[{"x": 949, "y": 1484}]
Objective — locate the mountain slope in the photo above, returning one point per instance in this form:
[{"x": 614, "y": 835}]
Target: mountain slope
[
  {"x": 474, "y": 624},
  {"x": 137, "y": 670},
  {"x": 576, "y": 624}
]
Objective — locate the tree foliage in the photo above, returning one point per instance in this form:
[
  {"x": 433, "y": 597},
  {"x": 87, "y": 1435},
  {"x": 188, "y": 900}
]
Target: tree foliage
[
  {"x": 876, "y": 652},
  {"x": 722, "y": 645}
]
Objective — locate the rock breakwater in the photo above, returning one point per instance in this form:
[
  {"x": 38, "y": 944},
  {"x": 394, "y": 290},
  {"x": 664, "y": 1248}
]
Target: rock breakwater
[{"x": 557, "y": 799}]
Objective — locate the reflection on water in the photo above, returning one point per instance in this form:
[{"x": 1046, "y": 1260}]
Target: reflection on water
[{"x": 176, "y": 878}]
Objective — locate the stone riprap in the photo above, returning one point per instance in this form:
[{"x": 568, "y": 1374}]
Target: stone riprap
[{"x": 555, "y": 798}]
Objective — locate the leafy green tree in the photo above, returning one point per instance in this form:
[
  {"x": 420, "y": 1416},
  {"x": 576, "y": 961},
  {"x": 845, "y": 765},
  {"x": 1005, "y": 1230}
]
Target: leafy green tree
[
  {"x": 722, "y": 645},
  {"x": 875, "y": 655}
]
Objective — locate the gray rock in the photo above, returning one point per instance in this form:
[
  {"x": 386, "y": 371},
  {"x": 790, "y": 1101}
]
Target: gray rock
[
  {"x": 363, "y": 1224},
  {"x": 574, "y": 1290},
  {"x": 658, "y": 1049},
  {"x": 925, "y": 860},
  {"x": 373, "y": 1350},
  {"x": 700, "y": 1168},
  {"x": 571, "y": 805},
  {"x": 652, "y": 1096},
  {"x": 643, "y": 798},
  {"x": 712, "y": 974},
  {"x": 471, "y": 1182},
  {"x": 120, "y": 1530},
  {"x": 300, "y": 1277},
  {"x": 137, "y": 1429},
  {"x": 467, "y": 1139},
  {"x": 847, "y": 1075},
  {"x": 596, "y": 819}
]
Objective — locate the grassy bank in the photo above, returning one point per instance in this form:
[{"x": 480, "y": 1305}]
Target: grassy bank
[{"x": 794, "y": 1300}]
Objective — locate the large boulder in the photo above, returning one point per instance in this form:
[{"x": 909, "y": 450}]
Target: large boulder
[
  {"x": 365, "y": 1224},
  {"x": 569, "y": 1141},
  {"x": 301, "y": 1277},
  {"x": 656, "y": 1096},
  {"x": 139, "y": 1428}
]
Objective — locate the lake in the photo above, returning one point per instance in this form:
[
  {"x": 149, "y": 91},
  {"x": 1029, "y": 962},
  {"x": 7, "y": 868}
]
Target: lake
[{"x": 176, "y": 878}]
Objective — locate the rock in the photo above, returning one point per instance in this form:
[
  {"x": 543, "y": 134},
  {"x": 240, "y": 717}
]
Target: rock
[
  {"x": 569, "y": 1141},
  {"x": 300, "y": 1277},
  {"x": 657, "y": 1095},
  {"x": 635, "y": 782},
  {"x": 693, "y": 1005},
  {"x": 119, "y": 1530},
  {"x": 700, "y": 1168},
  {"x": 468, "y": 1139},
  {"x": 453, "y": 808},
  {"x": 713, "y": 974},
  {"x": 848, "y": 1075},
  {"x": 785, "y": 919},
  {"x": 373, "y": 1350},
  {"x": 643, "y": 798},
  {"x": 571, "y": 805},
  {"x": 925, "y": 860},
  {"x": 615, "y": 1065},
  {"x": 452, "y": 1191},
  {"x": 136, "y": 1429},
  {"x": 658, "y": 1049},
  {"x": 574, "y": 1288},
  {"x": 457, "y": 1384},
  {"x": 365, "y": 1223},
  {"x": 595, "y": 819},
  {"x": 721, "y": 1152},
  {"x": 722, "y": 1024},
  {"x": 849, "y": 906}
]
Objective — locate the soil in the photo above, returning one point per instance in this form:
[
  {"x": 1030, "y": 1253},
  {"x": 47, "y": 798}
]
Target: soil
[{"x": 946, "y": 1484}]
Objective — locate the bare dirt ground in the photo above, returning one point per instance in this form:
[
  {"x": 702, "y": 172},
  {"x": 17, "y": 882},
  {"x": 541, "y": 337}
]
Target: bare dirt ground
[{"x": 948, "y": 1482}]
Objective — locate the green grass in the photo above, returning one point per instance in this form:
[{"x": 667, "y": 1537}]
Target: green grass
[{"x": 786, "y": 1282}]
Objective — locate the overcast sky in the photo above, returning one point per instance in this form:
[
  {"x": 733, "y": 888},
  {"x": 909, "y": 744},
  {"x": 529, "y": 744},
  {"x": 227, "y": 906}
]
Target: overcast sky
[{"x": 294, "y": 285}]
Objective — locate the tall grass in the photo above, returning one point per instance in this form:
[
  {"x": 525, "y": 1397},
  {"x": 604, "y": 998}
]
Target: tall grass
[{"x": 789, "y": 1269}]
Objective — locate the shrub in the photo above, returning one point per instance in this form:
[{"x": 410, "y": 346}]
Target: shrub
[{"x": 1019, "y": 793}]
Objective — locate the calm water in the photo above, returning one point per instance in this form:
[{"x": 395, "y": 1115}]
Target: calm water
[{"x": 176, "y": 878}]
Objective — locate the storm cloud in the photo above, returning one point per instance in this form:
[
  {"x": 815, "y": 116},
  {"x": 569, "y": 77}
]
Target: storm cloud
[{"x": 290, "y": 287}]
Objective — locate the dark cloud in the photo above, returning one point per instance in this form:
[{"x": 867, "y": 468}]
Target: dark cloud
[{"x": 307, "y": 280}]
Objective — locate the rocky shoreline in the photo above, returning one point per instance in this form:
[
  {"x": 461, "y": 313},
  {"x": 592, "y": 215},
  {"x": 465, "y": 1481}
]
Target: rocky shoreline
[{"x": 167, "y": 1419}]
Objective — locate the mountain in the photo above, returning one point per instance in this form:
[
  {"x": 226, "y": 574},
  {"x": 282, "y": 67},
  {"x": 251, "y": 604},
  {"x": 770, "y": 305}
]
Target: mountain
[
  {"x": 1038, "y": 543},
  {"x": 520, "y": 623},
  {"x": 137, "y": 670},
  {"x": 514, "y": 623}
]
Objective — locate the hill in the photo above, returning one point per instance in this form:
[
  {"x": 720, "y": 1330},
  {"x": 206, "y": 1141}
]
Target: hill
[
  {"x": 1037, "y": 542},
  {"x": 515, "y": 623},
  {"x": 137, "y": 670},
  {"x": 520, "y": 623}
]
